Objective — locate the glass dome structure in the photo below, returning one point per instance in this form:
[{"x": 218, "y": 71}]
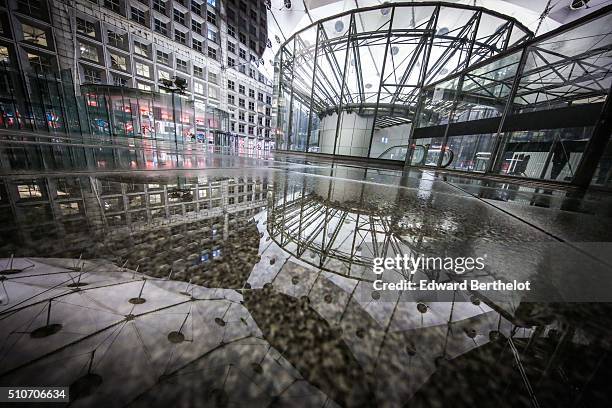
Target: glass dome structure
[{"x": 350, "y": 84}]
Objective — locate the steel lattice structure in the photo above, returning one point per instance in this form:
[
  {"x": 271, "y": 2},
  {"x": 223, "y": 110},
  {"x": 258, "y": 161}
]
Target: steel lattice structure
[{"x": 375, "y": 61}]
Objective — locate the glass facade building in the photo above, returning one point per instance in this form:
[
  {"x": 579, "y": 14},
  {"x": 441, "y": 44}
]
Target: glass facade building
[{"x": 49, "y": 49}]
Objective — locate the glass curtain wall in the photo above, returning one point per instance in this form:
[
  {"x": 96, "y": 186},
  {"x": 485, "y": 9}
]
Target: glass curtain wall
[
  {"x": 127, "y": 112},
  {"x": 560, "y": 72},
  {"x": 527, "y": 113},
  {"x": 350, "y": 84}
]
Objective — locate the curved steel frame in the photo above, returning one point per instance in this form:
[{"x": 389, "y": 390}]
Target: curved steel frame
[{"x": 416, "y": 50}]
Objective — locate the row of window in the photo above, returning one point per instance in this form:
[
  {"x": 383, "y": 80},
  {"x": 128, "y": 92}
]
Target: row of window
[
  {"x": 250, "y": 130},
  {"x": 231, "y": 99},
  {"x": 261, "y": 121},
  {"x": 93, "y": 75},
  {"x": 231, "y": 85},
  {"x": 158, "y": 5},
  {"x": 251, "y": 116},
  {"x": 231, "y": 31}
]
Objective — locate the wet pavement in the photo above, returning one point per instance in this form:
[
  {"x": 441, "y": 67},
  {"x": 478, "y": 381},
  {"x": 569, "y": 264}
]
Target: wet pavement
[{"x": 146, "y": 276}]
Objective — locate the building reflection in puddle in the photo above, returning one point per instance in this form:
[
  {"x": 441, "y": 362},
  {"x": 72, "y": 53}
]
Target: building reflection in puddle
[{"x": 218, "y": 291}]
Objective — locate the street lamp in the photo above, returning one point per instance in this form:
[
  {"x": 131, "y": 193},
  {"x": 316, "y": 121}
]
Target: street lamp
[{"x": 174, "y": 85}]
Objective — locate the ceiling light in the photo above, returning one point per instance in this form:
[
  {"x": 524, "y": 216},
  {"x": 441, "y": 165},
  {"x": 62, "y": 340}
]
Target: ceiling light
[
  {"x": 394, "y": 50},
  {"x": 577, "y": 4},
  {"x": 386, "y": 10},
  {"x": 443, "y": 31},
  {"x": 288, "y": 4},
  {"x": 339, "y": 26}
]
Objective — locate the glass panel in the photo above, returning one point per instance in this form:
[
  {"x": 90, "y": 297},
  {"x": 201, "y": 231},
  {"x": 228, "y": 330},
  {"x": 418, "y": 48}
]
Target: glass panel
[
  {"x": 552, "y": 154},
  {"x": 603, "y": 174}
]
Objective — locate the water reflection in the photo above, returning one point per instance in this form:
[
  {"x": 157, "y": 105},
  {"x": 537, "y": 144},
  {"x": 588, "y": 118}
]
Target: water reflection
[{"x": 253, "y": 291}]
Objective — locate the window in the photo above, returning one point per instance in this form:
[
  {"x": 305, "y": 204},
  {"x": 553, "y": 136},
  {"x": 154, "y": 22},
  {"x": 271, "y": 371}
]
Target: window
[
  {"x": 242, "y": 53},
  {"x": 198, "y": 88},
  {"x": 118, "y": 62},
  {"x": 4, "y": 54},
  {"x": 233, "y": 126},
  {"x": 241, "y": 128},
  {"x": 143, "y": 70},
  {"x": 251, "y": 105},
  {"x": 268, "y": 99},
  {"x": 267, "y": 111},
  {"x": 163, "y": 74},
  {"x": 163, "y": 57},
  {"x": 241, "y": 89},
  {"x": 119, "y": 81},
  {"x": 160, "y": 27},
  {"x": 117, "y": 40},
  {"x": 230, "y": 62},
  {"x": 213, "y": 92},
  {"x": 260, "y": 96},
  {"x": 197, "y": 45},
  {"x": 251, "y": 93},
  {"x": 159, "y": 5},
  {"x": 92, "y": 75},
  {"x": 231, "y": 31},
  {"x": 138, "y": 16},
  {"x": 196, "y": 26},
  {"x": 242, "y": 38},
  {"x": 212, "y": 2},
  {"x": 198, "y": 71},
  {"x": 34, "y": 35},
  {"x": 241, "y": 115},
  {"x": 212, "y": 35},
  {"x": 231, "y": 99},
  {"x": 212, "y": 53},
  {"x": 86, "y": 27},
  {"x": 31, "y": 7},
  {"x": 241, "y": 102},
  {"x": 250, "y": 130},
  {"x": 211, "y": 17},
  {"x": 113, "y": 5},
  {"x": 144, "y": 87},
  {"x": 212, "y": 77},
  {"x": 180, "y": 37},
  {"x": 181, "y": 65},
  {"x": 27, "y": 191},
  {"x": 141, "y": 49},
  {"x": 196, "y": 8},
  {"x": 251, "y": 118},
  {"x": 155, "y": 199},
  {"x": 230, "y": 84},
  {"x": 231, "y": 47},
  {"x": 39, "y": 62},
  {"x": 179, "y": 17},
  {"x": 89, "y": 52},
  {"x": 267, "y": 122}
]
